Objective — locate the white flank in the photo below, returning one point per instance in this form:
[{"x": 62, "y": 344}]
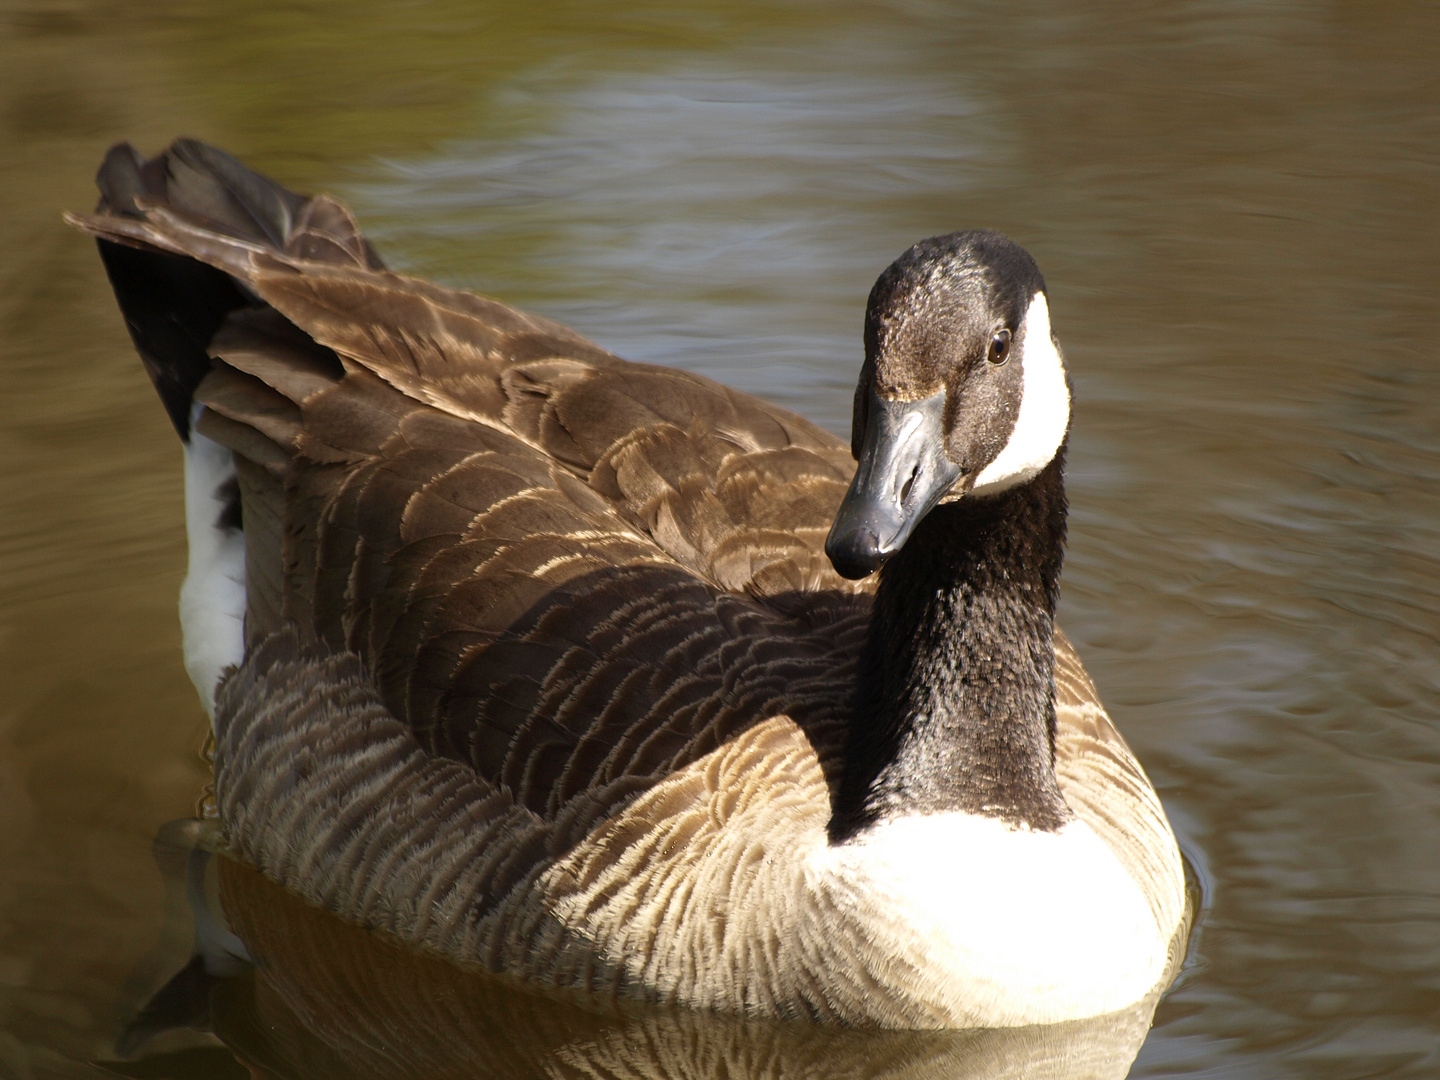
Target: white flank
[
  {"x": 1044, "y": 409},
  {"x": 1012, "y": 927},
  {"x": 212, "y": 600}
]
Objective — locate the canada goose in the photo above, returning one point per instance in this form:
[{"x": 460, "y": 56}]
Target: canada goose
[{"x": 533, "y": 657}]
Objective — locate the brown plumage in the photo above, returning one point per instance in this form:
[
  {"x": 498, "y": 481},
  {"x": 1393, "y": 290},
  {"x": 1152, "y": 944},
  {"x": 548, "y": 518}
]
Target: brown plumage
[
  {"x": 328, "y": 1000},
  {"x": 545, "y": 661}
]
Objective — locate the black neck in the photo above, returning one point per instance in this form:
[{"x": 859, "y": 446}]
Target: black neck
[{"x": 956, "y": 704}]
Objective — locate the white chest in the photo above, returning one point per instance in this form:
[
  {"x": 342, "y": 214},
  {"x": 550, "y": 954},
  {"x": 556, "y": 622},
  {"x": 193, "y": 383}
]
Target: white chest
[{"x": 984, "y": 925}]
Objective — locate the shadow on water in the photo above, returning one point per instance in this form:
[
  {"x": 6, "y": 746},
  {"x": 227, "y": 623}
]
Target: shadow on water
[{"x": 318, "y": 998}]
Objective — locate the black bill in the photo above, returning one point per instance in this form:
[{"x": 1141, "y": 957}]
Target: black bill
[{"x": 903, "y": 473}]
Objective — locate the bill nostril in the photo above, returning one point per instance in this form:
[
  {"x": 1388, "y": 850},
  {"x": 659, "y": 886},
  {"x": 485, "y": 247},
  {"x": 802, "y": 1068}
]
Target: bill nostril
[{"x": 905, "y": 491}]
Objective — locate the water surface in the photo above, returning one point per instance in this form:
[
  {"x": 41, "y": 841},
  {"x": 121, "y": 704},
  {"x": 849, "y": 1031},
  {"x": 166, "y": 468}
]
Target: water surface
[{"x": 1235, "y": 208}]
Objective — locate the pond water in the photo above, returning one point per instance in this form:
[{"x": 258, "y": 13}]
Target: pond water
[{"x": 1237, "y": 209}]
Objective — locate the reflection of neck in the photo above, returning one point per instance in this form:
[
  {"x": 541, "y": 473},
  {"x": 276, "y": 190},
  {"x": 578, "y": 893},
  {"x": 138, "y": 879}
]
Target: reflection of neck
[{"x": 956, "y": 702}]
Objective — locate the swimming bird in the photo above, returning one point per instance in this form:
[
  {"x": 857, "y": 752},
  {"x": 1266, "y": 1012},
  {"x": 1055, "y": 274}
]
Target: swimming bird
[{"x": 610, "y": 677}]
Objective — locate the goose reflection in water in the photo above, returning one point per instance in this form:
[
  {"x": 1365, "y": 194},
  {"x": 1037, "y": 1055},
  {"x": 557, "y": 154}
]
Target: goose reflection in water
[{"x": 293, "y": 991}]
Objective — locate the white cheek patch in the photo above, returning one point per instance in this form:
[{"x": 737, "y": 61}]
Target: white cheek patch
[
  {"x": 1044, "y": 409},
  {"x": 212, "y": 600}
]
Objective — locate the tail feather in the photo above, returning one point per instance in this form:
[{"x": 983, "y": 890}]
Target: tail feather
[
  {"x": 200, "y": 183},
  {"x": 178, "y": 235},
  {"x": 155, "y": 217},
  {"x": 122, "y": 180},
  {"x": 209, "y": 184}
]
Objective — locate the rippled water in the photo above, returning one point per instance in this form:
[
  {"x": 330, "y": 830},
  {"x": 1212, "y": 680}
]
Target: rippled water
[{"x": 1235, "y": 206}]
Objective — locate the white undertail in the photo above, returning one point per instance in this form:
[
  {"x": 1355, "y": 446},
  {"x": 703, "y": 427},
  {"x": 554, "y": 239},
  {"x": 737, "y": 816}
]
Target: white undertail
[{"x": 212, "y": 600}]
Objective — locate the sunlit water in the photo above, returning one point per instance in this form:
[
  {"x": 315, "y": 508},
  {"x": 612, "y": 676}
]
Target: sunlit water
[{"x": 1236, "y": 210}]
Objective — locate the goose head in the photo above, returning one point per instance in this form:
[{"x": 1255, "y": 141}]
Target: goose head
[{"x": 963, "y": 393}]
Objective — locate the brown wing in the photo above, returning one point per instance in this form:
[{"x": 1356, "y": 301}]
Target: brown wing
[{"x": 572, "y": 573}]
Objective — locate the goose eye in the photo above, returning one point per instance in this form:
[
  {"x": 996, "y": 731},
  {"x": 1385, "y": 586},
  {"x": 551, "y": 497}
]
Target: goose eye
[{"x": 999, "y": 348}]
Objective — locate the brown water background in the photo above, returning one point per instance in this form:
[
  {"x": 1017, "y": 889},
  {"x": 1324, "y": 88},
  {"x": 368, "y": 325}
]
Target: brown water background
[{"x": 1237, "y": 208}]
